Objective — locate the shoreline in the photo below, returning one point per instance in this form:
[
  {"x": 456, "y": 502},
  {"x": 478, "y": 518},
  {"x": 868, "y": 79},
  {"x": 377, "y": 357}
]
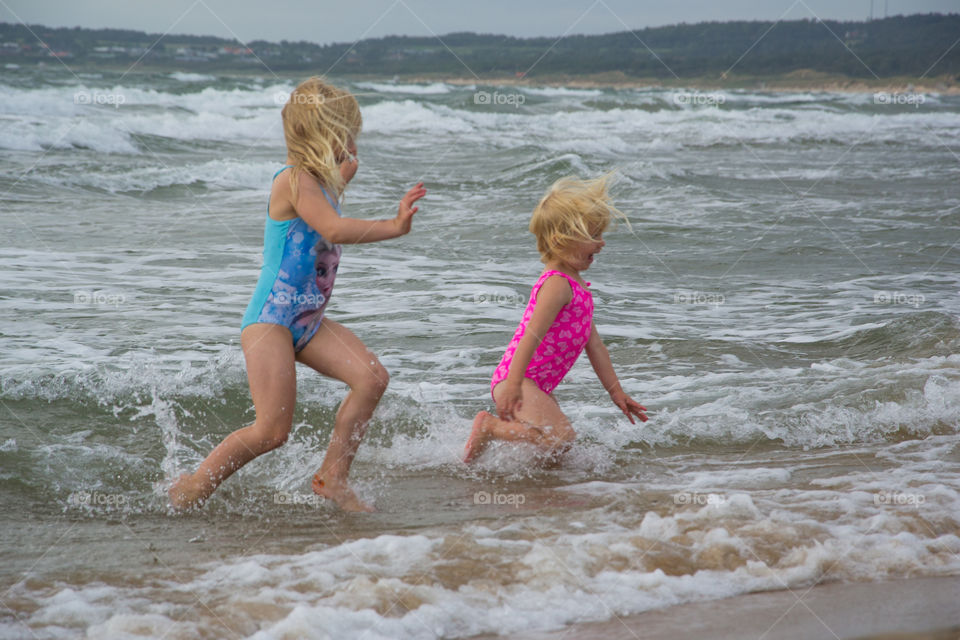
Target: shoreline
[
  {"x": 798, "y": 81},
  {"x": 909, "y": 609}
]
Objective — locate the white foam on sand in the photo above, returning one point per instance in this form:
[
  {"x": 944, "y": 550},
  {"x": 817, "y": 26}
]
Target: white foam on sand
[{"x": 418, "y": 586}]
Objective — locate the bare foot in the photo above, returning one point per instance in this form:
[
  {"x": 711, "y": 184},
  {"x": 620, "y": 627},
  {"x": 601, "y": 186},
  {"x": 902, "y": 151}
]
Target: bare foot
[
  {"x": 340, "y": 493},
  {"x": 479, "y": 436},
  {"x": 185, "y": 493}
]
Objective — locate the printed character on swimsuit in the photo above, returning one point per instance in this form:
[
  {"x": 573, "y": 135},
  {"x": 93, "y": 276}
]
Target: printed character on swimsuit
[{"x": 326, "y": 263}]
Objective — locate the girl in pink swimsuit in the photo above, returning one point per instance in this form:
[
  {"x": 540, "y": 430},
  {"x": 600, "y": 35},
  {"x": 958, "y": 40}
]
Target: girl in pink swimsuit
[{"x": 557, "y": 325}]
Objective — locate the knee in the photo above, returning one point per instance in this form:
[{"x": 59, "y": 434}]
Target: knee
[
  {"x": 562, "y": 436},
  {"x": 561, "y": 443},
  {"x": 276, "y": 440},
  {"x": 374, "y": 381},
  {"x": 273, "y": 434}
]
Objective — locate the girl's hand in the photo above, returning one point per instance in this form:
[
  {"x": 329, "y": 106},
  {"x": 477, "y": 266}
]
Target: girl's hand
[
  {"x": 629, "y": 406},
  {"x": 404, "y": 217},
  {"x": 510, "y": 402}
]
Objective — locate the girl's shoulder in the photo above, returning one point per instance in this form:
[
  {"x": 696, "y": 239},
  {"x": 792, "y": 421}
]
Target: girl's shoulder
[
  {"x": 310, "y": 194},
  {"x": 280, "y": 206},
  {"x": 554, "y": 274},
  {"x": 554, "y": 285}
]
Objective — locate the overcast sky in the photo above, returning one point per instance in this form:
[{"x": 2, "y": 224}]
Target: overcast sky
[{"x": 323, "y": 21}]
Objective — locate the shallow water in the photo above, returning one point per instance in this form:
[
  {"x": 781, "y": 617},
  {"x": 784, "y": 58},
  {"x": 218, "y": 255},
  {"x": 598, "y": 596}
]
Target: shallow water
[{"x": 784, "y": 302}]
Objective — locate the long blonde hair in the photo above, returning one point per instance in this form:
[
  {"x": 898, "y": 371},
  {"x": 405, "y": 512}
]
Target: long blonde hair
[
  {"x": 319, "y": 123},
  {"x": 572, "y": 210}
]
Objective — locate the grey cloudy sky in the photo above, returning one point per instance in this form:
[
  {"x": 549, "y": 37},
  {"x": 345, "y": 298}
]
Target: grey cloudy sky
[{"x": 346, "y": 21}]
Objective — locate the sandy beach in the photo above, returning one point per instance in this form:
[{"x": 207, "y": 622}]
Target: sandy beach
[{"x": 920, "y": 609}]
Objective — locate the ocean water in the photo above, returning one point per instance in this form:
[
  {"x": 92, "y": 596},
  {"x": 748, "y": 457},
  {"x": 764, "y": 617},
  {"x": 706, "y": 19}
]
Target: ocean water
[{"x": 784, "y": 301}]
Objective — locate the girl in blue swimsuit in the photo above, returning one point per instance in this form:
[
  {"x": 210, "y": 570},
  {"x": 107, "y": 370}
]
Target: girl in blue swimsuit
[{"x": 284, "y": 322}]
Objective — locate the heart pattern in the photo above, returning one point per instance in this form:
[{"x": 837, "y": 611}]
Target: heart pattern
[{"x": 563, "y": 343}]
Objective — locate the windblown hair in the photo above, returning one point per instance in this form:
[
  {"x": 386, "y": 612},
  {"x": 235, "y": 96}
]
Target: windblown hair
[
  {"x": 572, "y": 210},
  {"x": 319, "y": 122}
]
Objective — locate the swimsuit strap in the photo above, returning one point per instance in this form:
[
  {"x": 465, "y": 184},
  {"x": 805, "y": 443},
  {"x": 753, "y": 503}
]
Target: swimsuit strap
[
  {"x": 333, "y": 203},
  {"x": 547, "y": 274},
  {"x": 284, "y": 168}
]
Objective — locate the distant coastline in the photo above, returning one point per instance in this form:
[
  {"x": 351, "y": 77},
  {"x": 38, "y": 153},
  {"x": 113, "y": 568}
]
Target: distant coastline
[{"x": 899, "y": 54}]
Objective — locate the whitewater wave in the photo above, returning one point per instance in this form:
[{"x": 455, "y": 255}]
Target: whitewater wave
[
  {"x": 105, "y": 119},
  {"x": 185, "y": 76},
  {"x": 433, "y": 88},
  {"x": 213, "y": 174}
]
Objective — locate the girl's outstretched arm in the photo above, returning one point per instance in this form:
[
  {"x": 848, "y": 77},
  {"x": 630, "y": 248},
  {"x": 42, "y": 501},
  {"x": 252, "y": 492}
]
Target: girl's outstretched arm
[
  {"x": 554, "y": 293},
  {"x": 600, "y": 360},
  {"x": 317, "y": 212}
]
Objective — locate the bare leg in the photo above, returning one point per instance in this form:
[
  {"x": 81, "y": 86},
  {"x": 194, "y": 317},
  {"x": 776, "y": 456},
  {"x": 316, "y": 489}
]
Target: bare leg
[
  {"x": 336, "y": 352},
  {"x": 271, "y": 371},
  {"x": 539, "y": 422}
]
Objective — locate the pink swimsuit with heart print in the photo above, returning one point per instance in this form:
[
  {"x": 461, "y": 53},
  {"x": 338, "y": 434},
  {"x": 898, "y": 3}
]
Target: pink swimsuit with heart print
[{"x": 562, "y": 344}]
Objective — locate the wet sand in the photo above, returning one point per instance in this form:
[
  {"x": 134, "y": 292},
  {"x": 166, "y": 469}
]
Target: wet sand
[{"x": 919, "y": 609}]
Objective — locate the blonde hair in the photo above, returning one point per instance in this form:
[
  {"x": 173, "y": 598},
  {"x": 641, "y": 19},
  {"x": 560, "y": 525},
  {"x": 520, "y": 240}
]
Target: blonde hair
[
  {"x": 319, "y": 123},
  {"x": 573, "y": 210}
]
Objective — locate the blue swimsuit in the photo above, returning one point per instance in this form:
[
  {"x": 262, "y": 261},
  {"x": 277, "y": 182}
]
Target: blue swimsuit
[{"x": 299, "y": 268}]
